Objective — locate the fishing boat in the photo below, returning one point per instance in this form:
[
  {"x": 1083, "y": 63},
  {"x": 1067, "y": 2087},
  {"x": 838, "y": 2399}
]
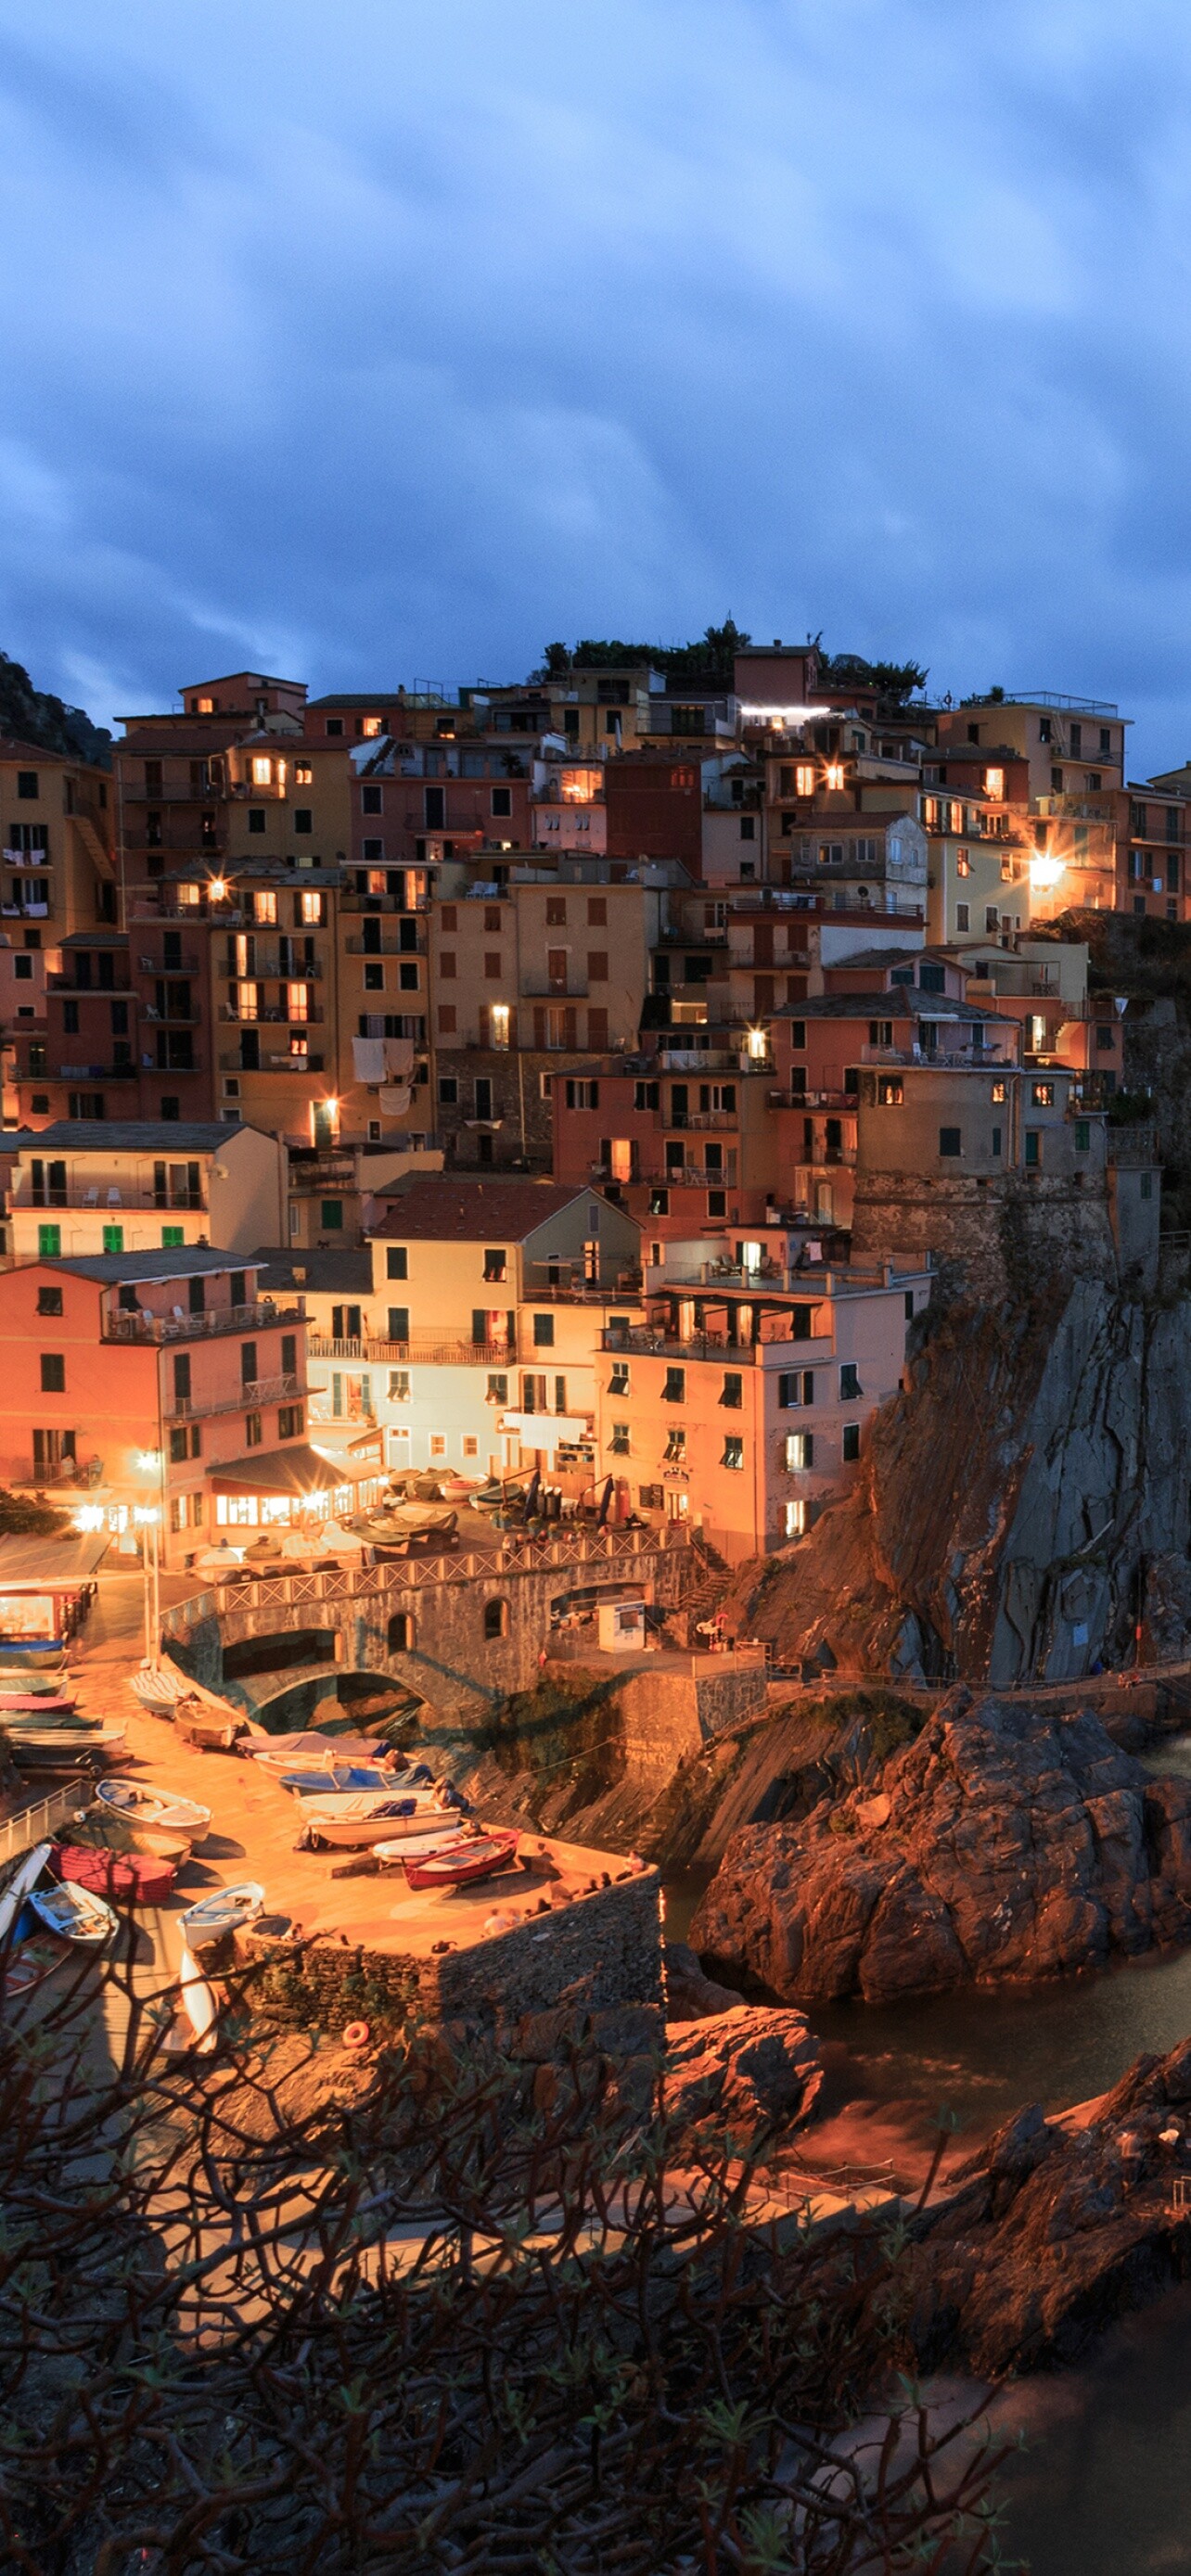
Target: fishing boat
[
  {"x": 155, "y": 1807},
  {"x": 25, "y": 1701},
  {"x": 45, "y": 1748},
  {"x": 337, "y": 1779},
  {"x": 313, "y": 1751},
  {"x": 75, "y": 1913},
  {"x": 366, "y": 1816},
  {"x": 41, "y": 1714},
  {"x": 426, "y": 1839},
  {"x": 479, "y": 1857},
  {"x": 207, "y": 1730},
  {"x": 25, "y": 1876},
  {"x": 159, "y": 1689},
  {"x": 226, "y": 1909},
  {"x": 111, "y": 1832}
]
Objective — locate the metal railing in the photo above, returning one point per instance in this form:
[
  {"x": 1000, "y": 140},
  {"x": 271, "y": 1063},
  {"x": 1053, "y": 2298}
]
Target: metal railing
[
  {"x": 256, "y": 1589},
  {"x": 107, "y": 1202},
  {"x": 251, "y": 1391},
  {"x": 35, "y": 1824},
  {"x": 421, "y": 1347},
  {"x": 123, "y": 1327}
]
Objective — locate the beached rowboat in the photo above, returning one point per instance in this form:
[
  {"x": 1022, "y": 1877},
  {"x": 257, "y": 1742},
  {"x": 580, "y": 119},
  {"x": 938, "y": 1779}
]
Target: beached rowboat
[
  {"x": 474, "y": 1859},
  {"x": 368, "y": 1816},
  {"x": 76, "y": 1914},
  {"x": 25, "y": 1876},
  {"x": 224, "y": 1910},
  {"x": 425, "y": 1839},
  {"x": 155, "y": 1807}
]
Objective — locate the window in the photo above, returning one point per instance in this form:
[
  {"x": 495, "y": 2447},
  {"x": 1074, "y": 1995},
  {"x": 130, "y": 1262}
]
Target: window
[
  {"x": 51, "y": 1448},
  {"x": 331, "y": 1218},
  {"x": 583, "y": 1095},
  {"x": 733, "y": 1454},
  {"x": 880, "y": 1033},
  {"x": 448, "y": 1090},
  {"x": 732, "y": 1393},
  {"x": 290, "y": 1422},
  {"x": 1043, "y": 1095},
  {"x": 800, "y": 1451},
  {"x": 495, "y": 1266},
  {"x": 950, "y": 1141},
  {"x": 256, "y": 818},
  {"x": 1083, "y": 1136},
  {"x": 113, "y": 1238},
  {"x": 674, "y": 1390},
  {"x": 49, "y": 1240},
  {"x": 53, "y": 1373},
  {"x": 618, "y": 1439},
  {"x": 399, "y": 1386},
  {"x": 795, "y": 1386},
  {"x": 398, "y": 1323},
  {"x": 850, "y": 1444},
  {"x": 1147, "y": 1185},
  {"x": 597, "y": 911},
  {"x": 675, "y": 1446},
  {"x": 618, "y": 1383},
  {"x": 498, "y": 1389},
  {"x": 556, "y": 911},
  {"x": 717, "y": 1202},
  {"x": 27, "y": 783},
  {"x": 1033, "y": 1148},
  {"x": 397, "y": 1261},
  {"x": 891, "y": 1092},
  {"x": 543, "y": 1332},
  {"x": 374, "y": 979},
  {"x": 849, "y": 1382},
  {"x": 963, "y": 916},
  {"x": 996, "y": 1143},
  {"x": 372, "y": 801}
]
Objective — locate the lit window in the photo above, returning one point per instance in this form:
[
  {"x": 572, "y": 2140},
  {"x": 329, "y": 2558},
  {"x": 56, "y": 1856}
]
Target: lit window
[
  {"x": 963, "y": 864},
  {"x": 994, "y": 782},
  {"x": 371, "y": 727},
  {"x": 264, "y": 908},
  {"x": 188, "y": 897},
  {"x": 262, "y": 769},
  {"x": 205, "y": 706},
  {"x": 298, "y": 1004},
  {"x": 804, "y": 779},
  {"x": 303, "y": 774},
  {"x": 312, "y": 909},
  {"x": 498, "y": 1024},
  {"x": 800, "y": 1451},
  {"x": 1000, "y": 1092},
  {"x": 795, "y": 1516},
  {"x": 835, "y": 773},
  {"x": 1043, "y": 1094},
  {"x": 733, "y": 1453}
]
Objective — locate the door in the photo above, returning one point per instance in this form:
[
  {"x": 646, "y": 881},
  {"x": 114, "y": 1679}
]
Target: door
[{"x": 677, "y": 1502}]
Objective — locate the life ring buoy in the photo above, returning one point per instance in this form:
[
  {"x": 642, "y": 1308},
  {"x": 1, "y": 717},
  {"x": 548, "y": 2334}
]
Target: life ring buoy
[{"x": 356, "y": 2034}]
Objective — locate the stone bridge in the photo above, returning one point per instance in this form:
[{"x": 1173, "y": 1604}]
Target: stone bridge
[{"x": 457, "y": 1632}]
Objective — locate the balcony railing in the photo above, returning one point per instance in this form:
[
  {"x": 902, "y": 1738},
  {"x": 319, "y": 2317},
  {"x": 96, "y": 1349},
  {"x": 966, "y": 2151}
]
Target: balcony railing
[
  {"x": 304, "y": 1063},
  {"x": 271, "y": 1011},
  {"x": 251, "y": 1391},
  {"x": 420, "y": 1350},
  {"x": 1135, "y": 1146},
  {"x": 122, "y": 1326},
  {"x": 186, "y": 964},
  {"x": 383, "y": 947},
  {"x": 543, "y": 988},
  {"x": 109, "y": 1202}
]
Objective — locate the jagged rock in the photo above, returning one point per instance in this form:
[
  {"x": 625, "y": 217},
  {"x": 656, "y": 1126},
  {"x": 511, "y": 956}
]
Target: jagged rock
[
  {"x": 1055, "y": 2231},
  {"x": 1013, "y": 1844},
  {"x": 745, "y": 2069},
  {"x": 690, "y": 1995},
  {"x": 1013, "y": 1503}
]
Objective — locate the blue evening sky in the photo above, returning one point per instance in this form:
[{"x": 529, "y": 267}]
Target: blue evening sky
[{"x": 374, "y": 343}]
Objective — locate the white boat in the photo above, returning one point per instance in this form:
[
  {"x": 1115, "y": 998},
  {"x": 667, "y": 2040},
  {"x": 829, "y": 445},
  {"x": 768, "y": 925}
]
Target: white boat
[
  {"x": 155, "y": 1807},
  {"x": 426, "y": 1839},
  {"x": 45, "y": 1747},
  {"x": 61, "y": 1728},
  {"x": 311, "y": 1751},
  {"x": 368, "y": 1816},
  {"x": 25, "y": 1876},
  {"x": 199, "y": 2003},
  {"x": 157, "y": 1687},
  {"x": 226, "y": 1909},
  {"x": 75, "y": 1913}
]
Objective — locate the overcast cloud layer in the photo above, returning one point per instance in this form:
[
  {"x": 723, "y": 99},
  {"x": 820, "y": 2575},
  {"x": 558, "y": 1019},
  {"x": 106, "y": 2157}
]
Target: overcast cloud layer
[{"x": 373, "y": 344}]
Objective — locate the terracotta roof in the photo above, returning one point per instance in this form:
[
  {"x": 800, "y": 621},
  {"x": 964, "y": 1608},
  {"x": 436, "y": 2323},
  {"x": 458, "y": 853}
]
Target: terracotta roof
[{"x": 503, "y": 1211}]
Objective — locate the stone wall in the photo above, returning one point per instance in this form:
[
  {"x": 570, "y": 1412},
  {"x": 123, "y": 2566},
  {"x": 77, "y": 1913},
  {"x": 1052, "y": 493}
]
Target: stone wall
[
  {"x": 599, "y": 1953},
  {"x": 1005, "y": 1237},
  {"x": 459, "y": 1672}
]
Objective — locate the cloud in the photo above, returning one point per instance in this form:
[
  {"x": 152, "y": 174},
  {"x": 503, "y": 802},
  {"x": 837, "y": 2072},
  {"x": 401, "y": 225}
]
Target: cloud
[{"x": 373, "y": 345}]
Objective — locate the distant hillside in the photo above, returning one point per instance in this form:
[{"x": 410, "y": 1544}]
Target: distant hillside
[{"x": 33, "y": 715}]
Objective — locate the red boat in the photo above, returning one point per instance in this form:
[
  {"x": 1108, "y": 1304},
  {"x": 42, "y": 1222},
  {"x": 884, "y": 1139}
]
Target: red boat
[
  {"x": 138, "y": 1878},
  {"x": 463, "y": 1862}
]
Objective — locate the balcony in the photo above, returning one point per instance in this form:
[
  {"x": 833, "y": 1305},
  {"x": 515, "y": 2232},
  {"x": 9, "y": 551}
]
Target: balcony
[
  {"x": 272, "y": 1012},
  {"x": 104, "y": 1072},
  {"x": 643, "y": 1341},
  {"x": 251, "y": 1391},
  {"x": 112, "y": 1202},
  {"x": 543, "y": 988},
  {"x": 276, "y": 964},
  {"x": 272, "y": 1064},
  {"x": 185, "y": 964},
  {"x": 122, "y": 1326},
  {"x": 699, "y": 1176},
  {"x": 690, "y": 1119},
  {"x": 383, "y": 947},
  {"x": 422, "y": 1349}
]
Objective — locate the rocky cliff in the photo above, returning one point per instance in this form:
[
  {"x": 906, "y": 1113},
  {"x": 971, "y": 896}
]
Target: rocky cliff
[
  {"x": 1022, "y": 1504},
  {"x": 1004, "y": 1842}
]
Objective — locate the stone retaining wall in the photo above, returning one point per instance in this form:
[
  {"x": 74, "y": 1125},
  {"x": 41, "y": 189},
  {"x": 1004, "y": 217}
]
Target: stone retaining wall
[{"x": 599, "y": 1953}]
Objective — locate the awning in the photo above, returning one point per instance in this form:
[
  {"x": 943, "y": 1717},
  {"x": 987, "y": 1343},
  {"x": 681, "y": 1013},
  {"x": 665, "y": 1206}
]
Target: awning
[
  {"x": 51, "y": 1564},
  {"x": 546, "y": 1430},
  {"x": 297, "y": 1471}
]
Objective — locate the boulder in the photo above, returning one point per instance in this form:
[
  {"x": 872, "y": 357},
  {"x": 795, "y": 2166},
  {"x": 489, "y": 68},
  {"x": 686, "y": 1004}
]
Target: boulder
[
  {"x": 690, "y": 1995},
  {"x": 744, "y": 2070},
  {"x": 1005, "y": 1843},
  {"x": 1055, "y": 2230}
]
